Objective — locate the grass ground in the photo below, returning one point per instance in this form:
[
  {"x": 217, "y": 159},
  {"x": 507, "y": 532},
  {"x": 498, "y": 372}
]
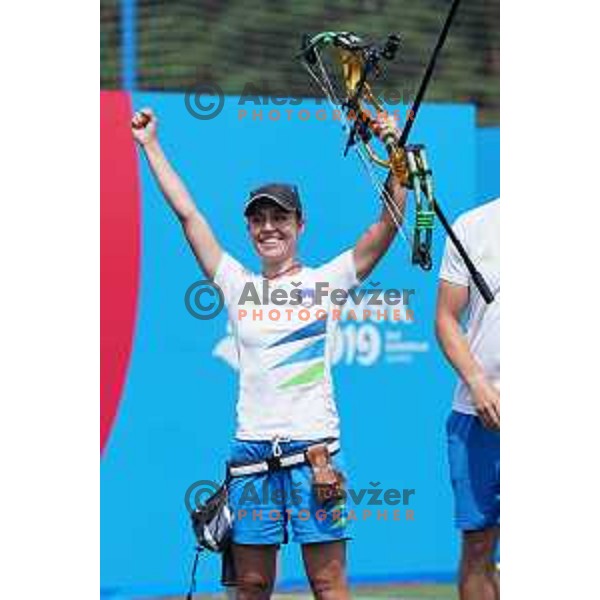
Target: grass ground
[
  {"x": 391, "y": 592},
  {"x": 399, "y": 592}
]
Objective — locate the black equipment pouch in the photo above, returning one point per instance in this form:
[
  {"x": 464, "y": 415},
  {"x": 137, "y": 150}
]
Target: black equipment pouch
[
  {"x": 213, "y": 525},
  {"x": 213, "y": 522}
]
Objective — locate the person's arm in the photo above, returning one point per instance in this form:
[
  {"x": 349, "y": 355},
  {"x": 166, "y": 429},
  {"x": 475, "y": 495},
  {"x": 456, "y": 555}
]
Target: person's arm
[
  {"x": 373, "y": 244},
  {"x": 197, "y": 231},
  {"x": 452, "y": 301}
]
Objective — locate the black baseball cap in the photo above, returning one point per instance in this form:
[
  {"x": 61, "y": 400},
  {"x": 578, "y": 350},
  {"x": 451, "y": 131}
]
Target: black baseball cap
[{"x": 282, "y": 194}]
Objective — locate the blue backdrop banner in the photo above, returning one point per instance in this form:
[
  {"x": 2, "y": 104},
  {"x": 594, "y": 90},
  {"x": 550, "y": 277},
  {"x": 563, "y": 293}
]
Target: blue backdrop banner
[{"x": 393, "y": 388}]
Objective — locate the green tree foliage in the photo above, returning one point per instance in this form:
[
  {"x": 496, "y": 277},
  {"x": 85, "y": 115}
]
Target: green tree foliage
[{"x": 232, "y": 42}]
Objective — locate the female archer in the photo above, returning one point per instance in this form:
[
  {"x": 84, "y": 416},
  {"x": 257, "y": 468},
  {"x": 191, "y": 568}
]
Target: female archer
[{"x": 288, "y": 433}]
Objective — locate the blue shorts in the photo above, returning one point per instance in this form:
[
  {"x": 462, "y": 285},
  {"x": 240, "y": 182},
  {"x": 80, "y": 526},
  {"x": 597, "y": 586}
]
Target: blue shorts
[
  {"x": 474, "y": 457},
  {"x": 263, "y": 505}
]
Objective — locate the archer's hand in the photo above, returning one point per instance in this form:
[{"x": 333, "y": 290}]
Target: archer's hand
[
  {"x": 385, "y": 126},
  {"x": 143, "y": 126},
  {"x": 486, "y": 398}
]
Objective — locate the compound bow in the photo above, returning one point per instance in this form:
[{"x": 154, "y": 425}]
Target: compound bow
[{"x": 361, "y": 64}]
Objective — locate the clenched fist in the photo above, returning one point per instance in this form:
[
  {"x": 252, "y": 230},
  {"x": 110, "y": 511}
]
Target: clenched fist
[{"x": 143, "y": 126}]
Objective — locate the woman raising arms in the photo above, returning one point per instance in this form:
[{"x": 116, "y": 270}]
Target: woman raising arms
[{"x": 287, "y": 435}]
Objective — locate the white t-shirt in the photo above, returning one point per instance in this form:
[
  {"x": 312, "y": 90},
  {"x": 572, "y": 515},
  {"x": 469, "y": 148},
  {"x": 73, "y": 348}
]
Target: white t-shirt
[
  {"x": 285, "y": 386},
  {"x": 479, "y": 231}
]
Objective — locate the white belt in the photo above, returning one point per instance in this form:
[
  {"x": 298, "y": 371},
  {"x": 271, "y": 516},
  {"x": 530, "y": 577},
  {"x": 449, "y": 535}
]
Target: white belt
[{"x": 275, "y": 463}]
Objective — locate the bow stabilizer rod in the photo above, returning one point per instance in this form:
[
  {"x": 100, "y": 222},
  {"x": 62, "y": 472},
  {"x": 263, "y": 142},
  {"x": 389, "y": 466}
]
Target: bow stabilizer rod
[
  {"x": 428, "y": 73},
  {"x": 478, "y": 279},
  {"x": 475, "y": 274}
]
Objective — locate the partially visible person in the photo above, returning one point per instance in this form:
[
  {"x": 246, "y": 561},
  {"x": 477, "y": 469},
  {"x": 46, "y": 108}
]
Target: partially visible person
[{"x": 473, "y": 427}]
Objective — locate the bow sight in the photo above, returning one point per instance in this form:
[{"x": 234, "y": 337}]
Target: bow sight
[{"x": 391, "y": 47}]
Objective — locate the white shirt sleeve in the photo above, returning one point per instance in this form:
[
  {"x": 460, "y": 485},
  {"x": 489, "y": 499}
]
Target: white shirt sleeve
[
  {"x": 453, "y": 268},
  {"x": 341, "y": 271},
  {"x": 230, "y": 277}
]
